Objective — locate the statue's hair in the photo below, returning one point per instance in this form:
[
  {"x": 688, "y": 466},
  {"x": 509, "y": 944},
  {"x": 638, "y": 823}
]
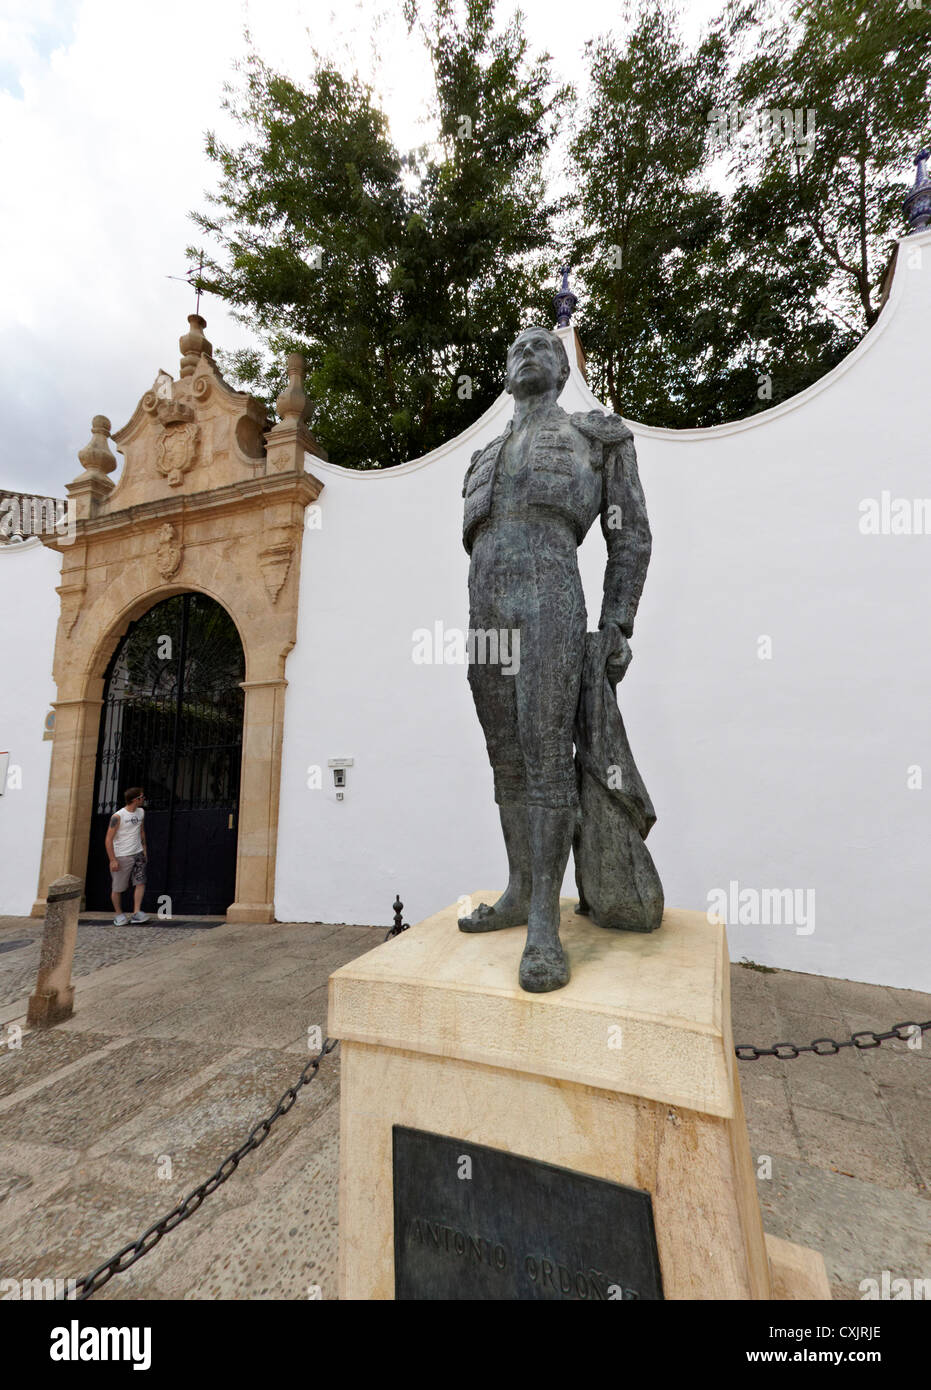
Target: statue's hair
[{"x": 558, "y": 346}]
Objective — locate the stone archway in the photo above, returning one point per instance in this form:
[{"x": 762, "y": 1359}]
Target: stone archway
[{"x": 211, "y": 499}]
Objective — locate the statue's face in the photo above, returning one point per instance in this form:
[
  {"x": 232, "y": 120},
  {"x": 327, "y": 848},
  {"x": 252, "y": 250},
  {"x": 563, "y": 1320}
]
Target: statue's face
[{"x": 534, "y": 365}]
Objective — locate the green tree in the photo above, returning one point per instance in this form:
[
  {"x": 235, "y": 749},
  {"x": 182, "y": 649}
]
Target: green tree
[
  {"x": 684, "y": 312},
  {"x": 643, "y": 220},
  {"x": 859, "y": 75},
  {"x": 710, "y": 287},
  {"x": 401, "y": 277}
]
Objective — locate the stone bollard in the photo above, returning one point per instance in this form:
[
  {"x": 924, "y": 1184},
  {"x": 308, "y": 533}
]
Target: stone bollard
[{"x": 53, "y": 1000}]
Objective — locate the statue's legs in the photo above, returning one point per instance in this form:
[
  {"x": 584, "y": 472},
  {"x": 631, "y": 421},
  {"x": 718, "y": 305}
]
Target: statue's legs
[
  {"x": 543, "y": 965},
  {"x": 546, "y": 706},
  {"x": 513, "y": 907},
  {"x": 531, "y": 586},
  {"x": 495, "y": 607}
]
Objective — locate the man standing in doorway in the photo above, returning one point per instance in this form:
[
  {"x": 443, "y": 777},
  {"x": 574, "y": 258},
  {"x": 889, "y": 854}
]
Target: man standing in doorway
[{"x": 127, "y": 854}]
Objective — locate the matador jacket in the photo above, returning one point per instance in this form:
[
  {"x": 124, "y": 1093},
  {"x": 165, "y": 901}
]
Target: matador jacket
[{"x": 582, "y": 466}]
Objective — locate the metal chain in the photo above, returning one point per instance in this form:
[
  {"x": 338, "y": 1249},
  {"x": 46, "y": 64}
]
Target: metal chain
[
  {"x": 827, "y": 1047},
  {"x": 150, "y": 1238}
]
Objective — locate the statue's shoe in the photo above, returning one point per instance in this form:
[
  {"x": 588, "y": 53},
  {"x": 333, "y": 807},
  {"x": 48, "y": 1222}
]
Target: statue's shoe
[
  {"x": 543, "y": 968},
  {"x": 486, "y": 918}
]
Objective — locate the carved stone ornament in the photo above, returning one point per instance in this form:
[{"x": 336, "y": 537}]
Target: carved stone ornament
[
  {"x": 176, "y": 449},
  {"x": 168, "y": 556},
  {"x": 275, "y": 562},
  {"x": 72, "y": 599}
]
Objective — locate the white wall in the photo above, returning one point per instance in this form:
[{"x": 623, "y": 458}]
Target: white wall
[
  {"x": 789, "y": 773},
  {"x": 28, "y": 617}
]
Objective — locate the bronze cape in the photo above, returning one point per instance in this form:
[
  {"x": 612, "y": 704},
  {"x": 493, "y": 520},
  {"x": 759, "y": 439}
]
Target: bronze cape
[{"x": 617, "y": 882}]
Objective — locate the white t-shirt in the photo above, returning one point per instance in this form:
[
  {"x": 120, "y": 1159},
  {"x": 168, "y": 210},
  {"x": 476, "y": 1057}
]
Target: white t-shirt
[{"x": 128, "y": 838}]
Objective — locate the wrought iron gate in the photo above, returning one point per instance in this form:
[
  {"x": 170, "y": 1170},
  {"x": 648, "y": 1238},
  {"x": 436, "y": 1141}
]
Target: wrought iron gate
[{"x": 172, "y": 724}]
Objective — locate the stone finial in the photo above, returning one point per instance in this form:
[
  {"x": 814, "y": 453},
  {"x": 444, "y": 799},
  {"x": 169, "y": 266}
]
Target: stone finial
[
  {"x": 293, "y": 405},
  {"x": 194, "y": 345},
  {"x": 917, "y": 203},
  {"x": 287, "y": 443},
  {"x": 564, "y": 301},
  {"x": 93, "y": 486},
  {"x": 96, "y": 455}
]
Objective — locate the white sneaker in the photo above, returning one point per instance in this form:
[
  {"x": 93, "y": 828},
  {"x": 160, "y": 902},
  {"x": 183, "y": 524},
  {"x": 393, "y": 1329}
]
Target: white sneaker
[
  {"x": 121, "y": 921},
  {"x": 139, "y": 917}
]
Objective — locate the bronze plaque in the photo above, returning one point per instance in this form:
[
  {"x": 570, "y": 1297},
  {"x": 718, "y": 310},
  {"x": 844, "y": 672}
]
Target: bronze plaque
[{"x": 472, "y": 1222}]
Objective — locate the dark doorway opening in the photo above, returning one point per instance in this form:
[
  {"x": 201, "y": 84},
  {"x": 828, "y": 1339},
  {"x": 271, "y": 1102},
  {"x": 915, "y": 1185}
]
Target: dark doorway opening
[{"x": 172, "y": 723}]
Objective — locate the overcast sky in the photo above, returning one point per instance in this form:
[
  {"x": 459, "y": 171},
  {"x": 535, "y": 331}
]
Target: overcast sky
[{"x": 103, "y": 109}]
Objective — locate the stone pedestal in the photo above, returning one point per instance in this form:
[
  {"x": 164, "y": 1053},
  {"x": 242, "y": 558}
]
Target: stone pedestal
[{"x": 627, "y": 1075}]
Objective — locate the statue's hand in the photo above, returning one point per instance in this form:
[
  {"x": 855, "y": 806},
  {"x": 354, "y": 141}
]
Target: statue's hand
[{"x": 620, "y": 655}]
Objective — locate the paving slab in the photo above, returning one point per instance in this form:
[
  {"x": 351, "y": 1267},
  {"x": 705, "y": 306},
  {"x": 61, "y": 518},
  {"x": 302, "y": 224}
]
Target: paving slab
[
  {"x": 895, "y": 1065},
  {"x": 215, "y": 1118},
  {"x": 854, "y": 997},
  {"x": 119, "y": 1084},
  {"x": 861, "y": 1228},
  {"x": 280, "y": 1244},
  {"x": 794, "y": 994},
  {"x": 843, "y": 1090},
  {"x": 769, "y": 1114},
  {"x": 97, "y": 947},
  {"x": 854, "y": 1149},
  {"x": 286, "y": 1244},
  {"x": 911, "y": 1122},
  {"x": 42, "y": 1054}
]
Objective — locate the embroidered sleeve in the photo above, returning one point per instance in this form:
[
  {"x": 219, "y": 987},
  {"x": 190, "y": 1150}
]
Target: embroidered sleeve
[{"x": 627, "y": 535}]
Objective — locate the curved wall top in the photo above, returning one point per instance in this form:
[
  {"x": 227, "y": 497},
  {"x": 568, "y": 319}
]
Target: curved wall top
[{"x": 577, "y": 395}]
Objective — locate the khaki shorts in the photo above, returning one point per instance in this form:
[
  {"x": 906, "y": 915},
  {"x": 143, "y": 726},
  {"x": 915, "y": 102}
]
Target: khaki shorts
[{"x": 131, "y": 870}]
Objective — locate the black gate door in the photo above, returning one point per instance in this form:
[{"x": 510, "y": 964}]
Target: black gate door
[{"x": 172, "y": 724}]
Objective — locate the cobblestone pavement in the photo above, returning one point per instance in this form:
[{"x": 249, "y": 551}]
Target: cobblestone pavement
[
  {"x": 172, "y": 1055},
  {"x": 98, "y": 945}
]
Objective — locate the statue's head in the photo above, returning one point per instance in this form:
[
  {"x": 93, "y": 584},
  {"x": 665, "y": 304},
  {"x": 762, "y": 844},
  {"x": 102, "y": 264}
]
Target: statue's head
[{"x": 537, "y": 362}]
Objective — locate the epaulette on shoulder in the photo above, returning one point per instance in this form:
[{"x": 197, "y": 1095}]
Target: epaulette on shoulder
[
  {"x": 607, "y": 429},
  {"x": 474, "y": 460}
]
